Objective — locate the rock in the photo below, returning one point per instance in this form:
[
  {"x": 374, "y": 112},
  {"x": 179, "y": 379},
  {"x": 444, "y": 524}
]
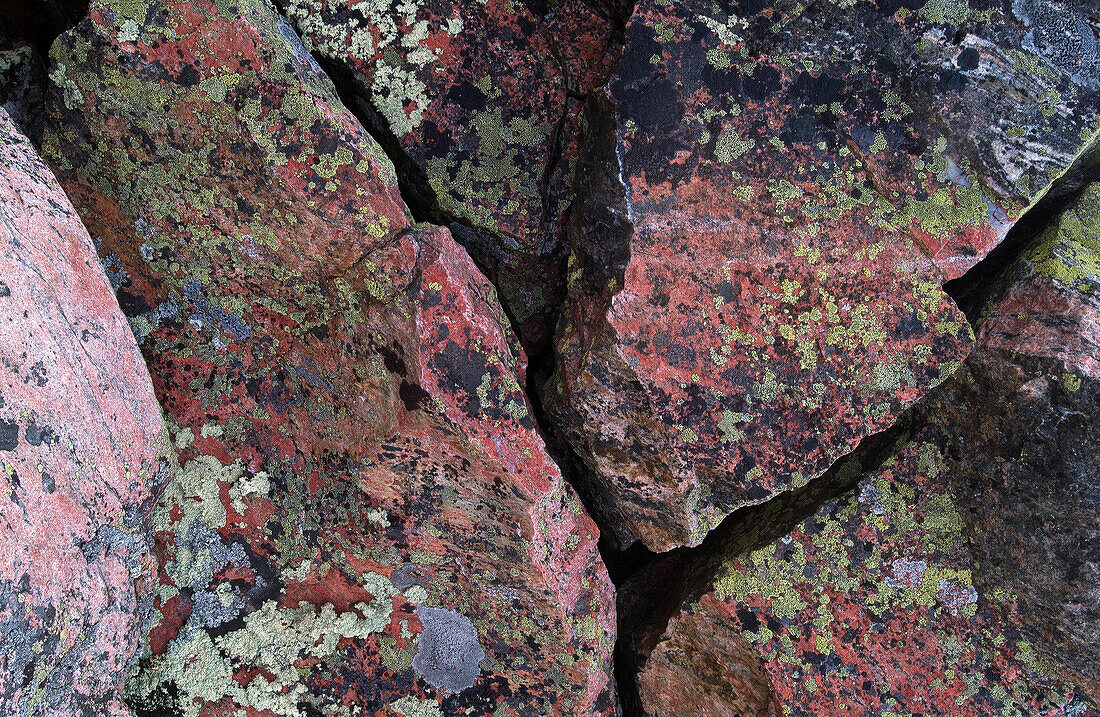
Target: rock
[
  {"x": 473, "y": 99},
  {"x": 363, "y": 493},
  {"x": 1026, "y": 419},
  {"x": 22, "y": 77},
  {"x": 870, "y": 603},
  {"x": 82, "y": 451},
  {"x": 769, "y": 200},
  {"x": 963, "y": 576},
  {"x": 706, "y": 668},
  {"x": 1048, "y": 303}
]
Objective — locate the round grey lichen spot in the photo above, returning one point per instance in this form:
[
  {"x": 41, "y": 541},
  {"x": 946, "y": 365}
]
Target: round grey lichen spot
[{"x": 448, "y": 652}]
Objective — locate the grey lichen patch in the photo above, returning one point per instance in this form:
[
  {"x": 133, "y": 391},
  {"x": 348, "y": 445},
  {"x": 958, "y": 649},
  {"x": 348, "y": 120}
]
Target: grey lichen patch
[
  {"x": 1061, "y": 36},
  {"x": 448, "y": 653}
]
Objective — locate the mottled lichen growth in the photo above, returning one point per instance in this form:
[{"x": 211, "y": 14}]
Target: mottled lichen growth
[
  {"x": 958, "y": 578},
  {"x": 1020, "y": 430},
  {"x": 1061, "y": 35},
  {"x": 1068, "y": 253},
  {"x": 354, "y": 441},
  {"x": 475, "y": 96},
  {"x": 756, "y": 268},
  {"x": 871, "y": 606}
]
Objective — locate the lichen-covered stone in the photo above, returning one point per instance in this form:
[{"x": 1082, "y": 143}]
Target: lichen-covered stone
[
  {"x": 1048, "y": 302},
  {"x": 475, "y": 97},
  {"x": 82, "y": 450},
  {"x": 870, "y": 606},
  {"x": 356, "y": 450},
  {"x": 1026, "y": 422},
  {"x": 961, "y": 578},
  {"x": 770, "y": 197},
  {"x": 22, "y": 77}
]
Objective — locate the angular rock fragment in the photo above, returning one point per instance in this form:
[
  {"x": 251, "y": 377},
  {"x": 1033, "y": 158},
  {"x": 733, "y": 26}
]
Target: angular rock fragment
[
  {"x": 474, "y": 99},
  {"x": 1048, "y": 302},
  {"x": 962, "y": 576},
  {"x": 82, "y": 450},
  {"x": 769, "y": 198},
  {"x": 366, "y": 519},
  {"x": 872, "y": 603}
]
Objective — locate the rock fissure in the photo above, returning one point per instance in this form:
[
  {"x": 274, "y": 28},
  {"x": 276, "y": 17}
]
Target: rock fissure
[
  {"x": 972, "y": 290},
  {"x": 429, "y": 292}
]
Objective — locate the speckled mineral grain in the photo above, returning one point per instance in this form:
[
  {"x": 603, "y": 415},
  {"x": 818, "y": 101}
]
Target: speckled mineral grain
[
  {"x": 960, "y": 578},
  {"x": 770, "y": 196},
  {"x": 365, "y": 521},
  {"x": 82, "y": 447}
]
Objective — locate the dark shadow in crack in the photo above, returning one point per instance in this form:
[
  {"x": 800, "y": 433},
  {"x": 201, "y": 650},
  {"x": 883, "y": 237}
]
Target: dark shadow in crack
[
  {"x": 655, "y": 594},
  {"x": 975, "y": 288}
]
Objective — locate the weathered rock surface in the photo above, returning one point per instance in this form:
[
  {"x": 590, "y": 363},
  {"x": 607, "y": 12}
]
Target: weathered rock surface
[
  {"x": 1048, "y": 302},
  {"x": 366, "y": 521},
  {"x": 82, "y": 449},
  {"x": 770, "y": 197},
  {"x": 963, "y": 576},
  {"x": 1027, "y": 420},
  {"x": 475, "y": 100},
  {"x": 872, "y": 603}
]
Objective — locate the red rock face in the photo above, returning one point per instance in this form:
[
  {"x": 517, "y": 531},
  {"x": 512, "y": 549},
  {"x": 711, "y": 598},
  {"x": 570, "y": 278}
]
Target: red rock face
[
  {"x": 769, "y": 202},
  {"x": 474, "y": 97},
  {"x": 82, "y": 448},
  {"x": 961, "y": 577},
  {"x": 365, "y": 521}
]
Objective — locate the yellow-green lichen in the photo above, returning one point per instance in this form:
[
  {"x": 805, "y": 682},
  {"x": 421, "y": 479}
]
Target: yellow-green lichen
[{"x": 1069, "y": 251}]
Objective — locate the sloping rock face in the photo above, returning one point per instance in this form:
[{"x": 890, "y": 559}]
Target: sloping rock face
[
  {"x": 82, "y": 449},
  {"x": 872, "y": 603},
  {"x": 960, "y": 578},
  {"x": 475, "y": 100},
  {"x": 769, "y": 198},
  {"x": 1048, "y": 302},
  {"x": 365, "y": 521}
]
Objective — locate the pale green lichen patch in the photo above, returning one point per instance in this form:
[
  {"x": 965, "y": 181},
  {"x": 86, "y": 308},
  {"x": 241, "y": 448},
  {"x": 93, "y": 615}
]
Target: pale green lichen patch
[
  {"x": 499, "y": 170},
  {"x": 390, "y": 44},
  {"x": 952, "y": 12},
  {"x": 275, "y": 640},
  {"x": 409, "y": 706},
  {"x": 730, "y": 145}
]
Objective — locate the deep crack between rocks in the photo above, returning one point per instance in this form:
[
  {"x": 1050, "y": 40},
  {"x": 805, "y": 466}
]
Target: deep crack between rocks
[{"x": 977, "y": 286}]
